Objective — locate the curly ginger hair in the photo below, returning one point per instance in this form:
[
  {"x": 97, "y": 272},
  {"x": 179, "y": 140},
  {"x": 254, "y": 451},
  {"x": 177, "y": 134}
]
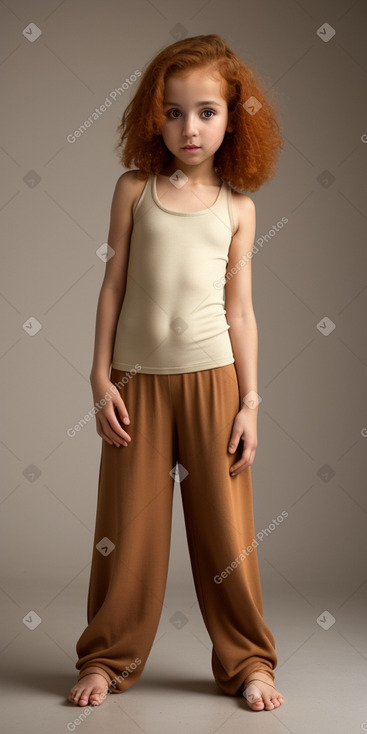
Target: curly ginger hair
[{"x": 247, "y": 156}]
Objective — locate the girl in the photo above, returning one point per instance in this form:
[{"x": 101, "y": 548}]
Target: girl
[{"x": 182, "y": 391}]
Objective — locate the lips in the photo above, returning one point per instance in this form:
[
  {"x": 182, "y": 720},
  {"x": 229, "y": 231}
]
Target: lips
[{"x": 191, "y": 147}]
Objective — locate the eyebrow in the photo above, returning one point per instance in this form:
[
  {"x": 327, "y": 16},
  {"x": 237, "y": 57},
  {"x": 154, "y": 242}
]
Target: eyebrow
[{"x": 198, "y": 104}]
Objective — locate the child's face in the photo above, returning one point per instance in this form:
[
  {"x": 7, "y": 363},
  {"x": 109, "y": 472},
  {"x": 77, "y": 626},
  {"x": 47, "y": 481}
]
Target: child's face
[{"x": 189, "y": 121}]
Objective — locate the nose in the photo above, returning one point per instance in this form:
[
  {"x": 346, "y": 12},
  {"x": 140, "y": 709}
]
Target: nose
[{"x": 189, "y": 127}]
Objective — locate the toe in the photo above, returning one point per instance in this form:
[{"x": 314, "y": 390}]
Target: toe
[
  {"x": 268, "y": 703},
  {"x": 256, "y": 705},
  {"x": 253, "y": 697},
  {"x": 74, "y": 695},
  {"x": 82, "y": 700},
  {"x": 258, "y": 699},
  {"x": 84, "y": 693},
  {"x": 277, "y": 699},
  {"x": 98, "y": 694}
]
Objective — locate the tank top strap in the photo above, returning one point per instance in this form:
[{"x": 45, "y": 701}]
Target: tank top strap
[
  {"x": 223, "y": 207},
  {"x": 228, "y": 205}
]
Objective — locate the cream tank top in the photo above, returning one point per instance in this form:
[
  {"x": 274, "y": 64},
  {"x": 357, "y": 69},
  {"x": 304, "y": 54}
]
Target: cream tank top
[{"x": 172, "y": 317}]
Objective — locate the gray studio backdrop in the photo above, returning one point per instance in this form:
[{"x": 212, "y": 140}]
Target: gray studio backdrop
[{"x": 59, "y": 62}]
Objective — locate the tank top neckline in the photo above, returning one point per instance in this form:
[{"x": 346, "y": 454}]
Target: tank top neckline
[{"x": 182, "y": 214}]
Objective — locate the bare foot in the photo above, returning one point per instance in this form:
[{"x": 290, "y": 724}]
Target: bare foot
[
  {"x": 260, "y": 692},
  {"x": 91, "y": 689}
]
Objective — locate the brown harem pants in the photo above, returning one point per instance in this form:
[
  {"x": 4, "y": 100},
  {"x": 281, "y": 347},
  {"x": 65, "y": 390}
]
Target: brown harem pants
[{"x": 187, "y": 418}]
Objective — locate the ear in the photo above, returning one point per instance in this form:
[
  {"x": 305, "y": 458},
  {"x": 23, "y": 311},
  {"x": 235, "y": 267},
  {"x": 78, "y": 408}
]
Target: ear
[{"x": 229, "y": 128}]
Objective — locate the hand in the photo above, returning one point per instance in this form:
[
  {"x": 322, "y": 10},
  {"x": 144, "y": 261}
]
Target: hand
[
  {"x": 245, "y": 427},
  {"x": 110, "y": 416}
]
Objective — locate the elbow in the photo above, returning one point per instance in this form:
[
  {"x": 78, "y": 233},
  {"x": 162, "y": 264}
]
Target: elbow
[{"x": 235, "y": 317}]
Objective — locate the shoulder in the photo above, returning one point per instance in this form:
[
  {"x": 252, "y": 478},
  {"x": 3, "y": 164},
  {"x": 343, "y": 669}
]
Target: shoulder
[
  {"x": 244, "y": 210},
  {"x": 132, "y": 177},
  {"x": 130, "y": 185}
]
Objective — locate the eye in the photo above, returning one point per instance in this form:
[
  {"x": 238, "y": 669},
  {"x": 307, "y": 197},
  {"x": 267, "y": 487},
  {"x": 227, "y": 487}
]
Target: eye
[
  {"x": 211, "y": 113},
  {"x": 169, "y": 113},
  {"x": 173, "y": 116}
]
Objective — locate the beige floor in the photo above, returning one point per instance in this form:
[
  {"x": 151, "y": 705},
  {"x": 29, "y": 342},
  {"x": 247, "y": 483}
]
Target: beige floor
[{"x": 321, "y": 673}]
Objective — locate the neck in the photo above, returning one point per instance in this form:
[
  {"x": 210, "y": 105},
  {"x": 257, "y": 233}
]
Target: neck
[{"x": 203, "y": 173}]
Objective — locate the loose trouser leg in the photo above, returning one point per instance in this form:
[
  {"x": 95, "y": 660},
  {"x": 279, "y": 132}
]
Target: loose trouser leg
[
  {"x": 134, "y": 511},
  {"x": 218, "y": 512}
]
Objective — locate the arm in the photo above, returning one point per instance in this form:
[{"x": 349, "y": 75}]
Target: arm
[
  {"x": 243, "y": 330},
  {"x": 109, "y": 305}
]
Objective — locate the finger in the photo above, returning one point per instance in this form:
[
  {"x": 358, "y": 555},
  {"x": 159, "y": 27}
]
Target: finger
[
  {"x": 112, "y": 428},
  {"x": 114, "y": 420},
  {"x": 109, "y": 441},
  {"x": 233, "y": 442},
  {"x": 244, "y": 458},
  {"x": 245, "y": 461},
  {"x": 234, "y": 470},
  {"x": 121, "y": 411},
  {"x": 104, "y": 437},
  {"x": 121, "y": 414},
  {"x": 102, "y": 433},
  {"x": 117, "y": 443}
]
